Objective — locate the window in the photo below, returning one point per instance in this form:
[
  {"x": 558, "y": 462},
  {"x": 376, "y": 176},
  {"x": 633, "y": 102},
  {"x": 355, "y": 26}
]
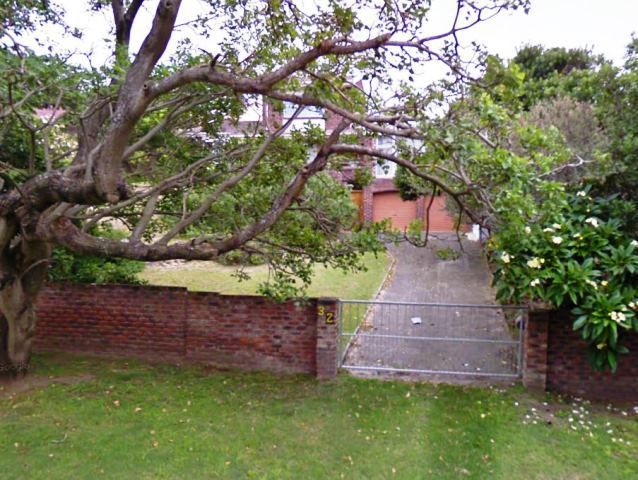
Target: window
[
  {"x": 307, "y": 112},
  {"x": 385, "y": 142},
  {"x": 385, "y": 169}
]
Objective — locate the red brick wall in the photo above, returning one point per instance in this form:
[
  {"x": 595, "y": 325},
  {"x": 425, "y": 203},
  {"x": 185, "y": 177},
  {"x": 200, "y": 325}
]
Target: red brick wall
[
  {"x": 148, "y": 321},
  {"x": 535, "y": 350},
  {"x": 167, "y": 323},
  {"x": 567, "y": 367}
]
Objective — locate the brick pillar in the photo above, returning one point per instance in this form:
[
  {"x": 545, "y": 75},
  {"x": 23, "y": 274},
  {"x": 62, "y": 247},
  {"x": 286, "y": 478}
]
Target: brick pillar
[
  {"x": 368, "y": 215},
  {"x": 535, "y": 350},
  {"x": 327, "y": 337}
]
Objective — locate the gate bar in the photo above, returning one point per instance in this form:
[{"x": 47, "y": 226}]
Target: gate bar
[
  {"x": 437, "y": 372},
  {"x": 426, "y": 304},
  {"x": 444, "y": 339}
]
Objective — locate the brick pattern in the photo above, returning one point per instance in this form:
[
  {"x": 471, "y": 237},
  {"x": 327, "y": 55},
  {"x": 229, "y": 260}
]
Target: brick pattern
[
  {"x": 567, "y": 368},
  {"x": 368, "y": 208},
  {"x": 535, "y": 351},
  {"x": 250, "y": 331},
  {"x": 112, "y": 319},
  {"x": 165, "y": 323},
  {"x": 327, "y": 338}
]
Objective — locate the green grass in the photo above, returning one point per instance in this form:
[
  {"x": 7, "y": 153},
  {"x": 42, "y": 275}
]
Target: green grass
[
  {"x": 327, "y": 282},
  {"x": 187, "y": 423}
]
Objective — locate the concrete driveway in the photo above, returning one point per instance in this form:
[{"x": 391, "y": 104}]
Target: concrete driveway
[
  {"x": 420, "y": 276},
  {"x": 450, "y": 337}
]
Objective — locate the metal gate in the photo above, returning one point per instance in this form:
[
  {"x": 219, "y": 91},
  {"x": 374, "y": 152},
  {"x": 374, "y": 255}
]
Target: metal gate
[{"x": 432, "y": 338}]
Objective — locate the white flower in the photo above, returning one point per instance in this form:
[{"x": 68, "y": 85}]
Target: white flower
[
  {"x": 593, "y": 221},
  {"x": 548, "y": 229},
  {"x": 577, "y": 236},
  {"x": 633, "y": 305},
  {"x": 592, "y": 283},
  {"x": 582, "y": 193},
  {"x": 634, "y": 243},
  {"x": 505, "y": 257},
  {"x": 604, "y": 283},
  {"x": 535, "y": 262},
  {"x": 556, "y": 226},
  {"x": 557, "y": 240},
  {"x": 534, "y": 282},
  {"x": 529, "y": 230},
  {"x": 618, "y": 316}
]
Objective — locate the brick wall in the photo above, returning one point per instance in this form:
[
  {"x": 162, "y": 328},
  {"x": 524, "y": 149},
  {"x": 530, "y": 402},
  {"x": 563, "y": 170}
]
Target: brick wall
[
  {"x": 165, "y": 323},
  {"x": 556, "y": 360}
]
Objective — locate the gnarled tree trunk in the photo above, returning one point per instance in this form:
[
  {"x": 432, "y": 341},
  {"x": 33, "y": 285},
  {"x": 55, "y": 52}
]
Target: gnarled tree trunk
[{"x": 23, "y": 270}]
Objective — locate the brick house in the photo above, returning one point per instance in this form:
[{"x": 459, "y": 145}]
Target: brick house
[{"x": 380, "y": 199}]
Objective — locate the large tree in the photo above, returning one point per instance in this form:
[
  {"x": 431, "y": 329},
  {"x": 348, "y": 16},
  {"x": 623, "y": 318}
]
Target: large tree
[{"x": 140, "y": 137}]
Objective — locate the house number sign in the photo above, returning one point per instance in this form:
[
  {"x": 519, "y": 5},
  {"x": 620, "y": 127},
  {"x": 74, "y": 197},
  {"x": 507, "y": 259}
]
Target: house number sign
[{"x": 329, "y": 317}]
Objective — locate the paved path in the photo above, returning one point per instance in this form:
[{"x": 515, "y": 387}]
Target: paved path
[{"x": 420, "y": 276}]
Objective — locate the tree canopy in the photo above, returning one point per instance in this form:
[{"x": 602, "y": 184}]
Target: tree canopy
[
  {"x": 192, "y": 145},
  {"x": 142, "y": 138}
]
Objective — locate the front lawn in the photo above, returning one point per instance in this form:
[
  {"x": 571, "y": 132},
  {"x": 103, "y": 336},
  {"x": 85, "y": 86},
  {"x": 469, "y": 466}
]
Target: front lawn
[
  {"x": 327, "y": 282},
  {"x": 132, "y": 420}
]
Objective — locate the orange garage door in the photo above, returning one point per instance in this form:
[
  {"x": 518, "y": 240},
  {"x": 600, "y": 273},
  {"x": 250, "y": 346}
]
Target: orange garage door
[
  {"x": 440, "y": 219},
  {"x": 389, "y": 205}
]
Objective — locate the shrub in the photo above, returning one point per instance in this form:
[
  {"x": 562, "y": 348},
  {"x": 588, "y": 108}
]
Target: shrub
[
  {"x": 67, "y": 266},
  {"x": 581, "y": 257}
]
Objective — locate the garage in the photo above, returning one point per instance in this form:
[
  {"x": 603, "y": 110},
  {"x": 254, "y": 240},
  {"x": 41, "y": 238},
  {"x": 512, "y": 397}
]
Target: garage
[
  {"x": 389, "y": 205},
  {"x": 440, "y": 219}
]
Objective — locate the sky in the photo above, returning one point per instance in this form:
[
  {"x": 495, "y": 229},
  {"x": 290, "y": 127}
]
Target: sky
[{"x": 602, "y": 25}]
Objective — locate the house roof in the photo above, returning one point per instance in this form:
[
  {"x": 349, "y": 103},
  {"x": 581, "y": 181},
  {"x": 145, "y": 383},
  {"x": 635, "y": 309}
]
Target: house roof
[{"x": 384, "y": 185}]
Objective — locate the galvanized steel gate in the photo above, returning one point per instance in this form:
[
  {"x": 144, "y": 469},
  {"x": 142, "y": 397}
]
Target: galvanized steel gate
[{"x": 432, "y": 338}]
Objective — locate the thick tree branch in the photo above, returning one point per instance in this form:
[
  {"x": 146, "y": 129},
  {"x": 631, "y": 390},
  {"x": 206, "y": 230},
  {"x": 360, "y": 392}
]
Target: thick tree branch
[
  {"x": 263, "y": 83},
  {"x": 292, "y": 191},
  {"x": 132, "y": 101},
  {"x": 228, "y": 183},
  {"x": 63, "y": 232}
]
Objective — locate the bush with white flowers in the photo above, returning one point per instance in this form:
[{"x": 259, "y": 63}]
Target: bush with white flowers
[{"x": 581, "y": 256}]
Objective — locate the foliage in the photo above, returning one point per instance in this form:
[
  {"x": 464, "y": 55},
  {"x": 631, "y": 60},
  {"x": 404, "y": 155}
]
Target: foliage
[
  {"x": 576, "y": 255},
  {"x": 616, "y": 105},
  {"x": 555, "y": 71},
  {"x": 578, "y": 250},
  {"x": 237, "y": 257},
  {"x": 513, "y": 157},
  {"x": 499, "y": 163},
  {"x": 411, "y": 187},
  {"x": 34, "y": 137},
  {"x": 67, "y": 266},
  {"x": 610, "y": 91},
  {"x": 578, "y": 123},
  {"x": 447, "y": 254},
  {"x": 362, "y": 177}
]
